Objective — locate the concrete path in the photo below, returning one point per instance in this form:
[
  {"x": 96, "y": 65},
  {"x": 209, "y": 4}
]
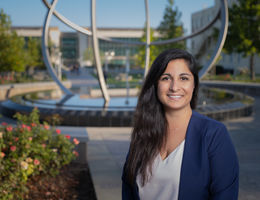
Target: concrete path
[
  {"x": 245, "y": 133},
  {"x": 107, "y": 148}
]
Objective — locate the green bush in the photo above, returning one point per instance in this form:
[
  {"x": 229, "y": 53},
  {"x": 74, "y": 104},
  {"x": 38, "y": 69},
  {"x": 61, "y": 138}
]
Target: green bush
[{"x": 30, "y": 149}]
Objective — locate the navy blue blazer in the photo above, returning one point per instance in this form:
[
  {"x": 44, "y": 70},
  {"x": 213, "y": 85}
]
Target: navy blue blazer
[{"x": 209, "y": 166}]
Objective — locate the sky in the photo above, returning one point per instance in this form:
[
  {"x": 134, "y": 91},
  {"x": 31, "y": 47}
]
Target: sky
[{"x": 109, "y": 13}]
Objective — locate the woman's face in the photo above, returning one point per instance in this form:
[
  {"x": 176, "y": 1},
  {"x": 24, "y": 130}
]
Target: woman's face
[{"x": 176, "y": 85}]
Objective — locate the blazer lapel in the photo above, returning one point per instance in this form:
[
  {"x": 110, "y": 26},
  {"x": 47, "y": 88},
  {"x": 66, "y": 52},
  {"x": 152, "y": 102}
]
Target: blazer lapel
[{"x": 191, "y": 158}]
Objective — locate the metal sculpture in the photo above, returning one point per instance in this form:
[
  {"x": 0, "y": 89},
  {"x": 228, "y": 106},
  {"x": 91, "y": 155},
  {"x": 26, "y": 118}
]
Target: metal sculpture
[
  {"x": 45, "y": 52},
  {"x": 222, "y": 13}
]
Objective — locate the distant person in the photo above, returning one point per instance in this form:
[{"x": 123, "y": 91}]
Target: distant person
[
  {"x": 77, "y": 69},
  {"x": 72, "y": 68},
  {"x": 176, "y": 153}
]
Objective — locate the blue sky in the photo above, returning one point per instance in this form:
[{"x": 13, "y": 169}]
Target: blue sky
[{"x": 110, "y": 13}]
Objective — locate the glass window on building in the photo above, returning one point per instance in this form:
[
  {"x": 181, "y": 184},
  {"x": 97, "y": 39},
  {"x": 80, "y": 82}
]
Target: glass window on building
[
  {"x": 192, "y": 45},
  {"x": 69, "y": 46},
  {"x": 231, "y": 57},
  {"x": 69, "y": 41},
  {"x": 69, "y": 53},
  {"x": 238, "y": 58}
]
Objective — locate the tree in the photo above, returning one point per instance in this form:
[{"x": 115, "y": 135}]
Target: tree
[
  {"x": 141, "y": 52},
  {"x": 171, "y": 27},
  {"x": 244, "y": 31},
  {"x": 12, "y": 55},
  {"x": 34, "y": 55},
  {"x": 88, "y": 55}
]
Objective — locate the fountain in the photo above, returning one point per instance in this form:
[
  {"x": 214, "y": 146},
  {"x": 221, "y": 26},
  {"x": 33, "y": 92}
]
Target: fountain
[{"x": 106, "y": 110}]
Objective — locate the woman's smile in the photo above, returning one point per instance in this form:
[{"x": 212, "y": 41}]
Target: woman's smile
[{"x": 174, "y": 96}]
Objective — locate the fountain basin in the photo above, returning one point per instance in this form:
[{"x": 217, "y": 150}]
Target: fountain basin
[{"x": 80, "y": 111}]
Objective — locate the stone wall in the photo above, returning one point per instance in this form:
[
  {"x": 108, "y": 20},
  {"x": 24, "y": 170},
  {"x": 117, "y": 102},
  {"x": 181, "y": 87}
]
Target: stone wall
[
  {"x": 9, "y": 90},
  {"x": 252, "y": 89},
  {"x": 115, "y": 92}
]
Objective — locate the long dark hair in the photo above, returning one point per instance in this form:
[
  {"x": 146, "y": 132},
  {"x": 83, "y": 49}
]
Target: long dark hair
[{"x": 150, "y": 124}]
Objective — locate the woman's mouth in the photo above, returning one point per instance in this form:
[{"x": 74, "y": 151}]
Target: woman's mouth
[{"x": 175, "y": 97}]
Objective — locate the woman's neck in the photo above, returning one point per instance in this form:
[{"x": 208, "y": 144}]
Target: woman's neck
[
  {"x": 178, "y": 118},
  {"x": 176, "y": 131}
]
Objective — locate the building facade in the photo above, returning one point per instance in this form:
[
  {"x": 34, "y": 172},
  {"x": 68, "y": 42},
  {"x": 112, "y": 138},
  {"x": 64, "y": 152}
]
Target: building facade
[
  {"x": 76, "y": 48},
  {"x": 203, "y": 45}
]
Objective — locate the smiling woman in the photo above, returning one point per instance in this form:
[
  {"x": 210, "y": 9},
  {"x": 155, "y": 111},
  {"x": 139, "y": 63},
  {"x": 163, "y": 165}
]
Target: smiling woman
[{"x": 172, "y": 146}]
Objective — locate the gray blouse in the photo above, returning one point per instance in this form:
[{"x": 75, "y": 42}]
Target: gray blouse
[{"x": 165, "y": 179}]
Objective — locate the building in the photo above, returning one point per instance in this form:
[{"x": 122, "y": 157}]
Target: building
[
  {"x": 115, "y": 51},
  {"x": 75, "y": 46},
  {"x": 203, "y": 45}
]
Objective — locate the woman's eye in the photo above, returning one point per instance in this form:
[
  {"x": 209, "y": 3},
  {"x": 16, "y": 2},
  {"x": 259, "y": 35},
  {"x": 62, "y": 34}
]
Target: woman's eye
[
  {"x": 184, "y": 78},
  {"x": 165, "y": 78}
]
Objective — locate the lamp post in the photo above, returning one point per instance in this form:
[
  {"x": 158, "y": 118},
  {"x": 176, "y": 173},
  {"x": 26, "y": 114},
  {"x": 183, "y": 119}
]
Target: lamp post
[
  {"x": 127, "y": 69},
  {"x": 108, "y": 56},
  {"x": 56, "y": 60},
  {"x": 58, "y": 63}
]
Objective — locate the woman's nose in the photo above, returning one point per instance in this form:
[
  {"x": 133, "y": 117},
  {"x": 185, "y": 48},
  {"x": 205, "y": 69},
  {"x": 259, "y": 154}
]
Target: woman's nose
[{"x": 174, "y": 86}]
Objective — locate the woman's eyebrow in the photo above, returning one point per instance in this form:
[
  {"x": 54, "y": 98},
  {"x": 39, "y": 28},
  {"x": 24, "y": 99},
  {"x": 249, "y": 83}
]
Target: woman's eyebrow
[
  {"x": 184, "y": 74},
  {"x": 167, "y": 74}
]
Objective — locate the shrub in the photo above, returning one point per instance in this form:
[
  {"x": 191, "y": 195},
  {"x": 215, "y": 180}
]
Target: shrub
[{"x": 28, "y": 149}]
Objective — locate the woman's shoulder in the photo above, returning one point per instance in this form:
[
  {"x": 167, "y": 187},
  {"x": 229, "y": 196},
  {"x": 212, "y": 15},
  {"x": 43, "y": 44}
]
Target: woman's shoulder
[
  {"x": 213, "y": 132},
  {"x": 207, "y": 126},
  {"x": 205, "y": 121}
]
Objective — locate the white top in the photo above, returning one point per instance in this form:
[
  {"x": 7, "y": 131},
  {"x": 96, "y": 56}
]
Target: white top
[{"x": 165, "y": 179}]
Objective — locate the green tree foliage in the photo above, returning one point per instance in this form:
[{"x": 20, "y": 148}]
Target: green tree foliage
[
  {"x": 12, "y": 55},
  {"x": 153, "y": 49},
  {"x": 34, "y": 55},
  {"x": 244, "y": 30},
  {"x": 88, "y": 55},
  {"x": 171, "y": 27}
]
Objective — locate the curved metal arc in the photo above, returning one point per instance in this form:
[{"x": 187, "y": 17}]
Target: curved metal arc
[
  {"x": 46, "y": 57},
  {"x": 220, "y": 43},
  {"x": 85, "y": 31},
  {"x": 221, "y": 39},
  {"x": 101, "y": 78},
  {"x": 188, "y": 36},
  {"x": 148, "y": 39},
  {"x": 66, "y": 21}
]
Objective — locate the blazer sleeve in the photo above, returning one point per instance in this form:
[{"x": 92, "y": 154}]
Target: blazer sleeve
[
  {"x": 127, "y": 189},
  {"x": 223, "y": 166}
]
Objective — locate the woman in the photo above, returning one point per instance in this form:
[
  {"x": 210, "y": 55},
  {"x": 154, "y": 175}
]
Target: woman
[{"x": 175, "y": 152}]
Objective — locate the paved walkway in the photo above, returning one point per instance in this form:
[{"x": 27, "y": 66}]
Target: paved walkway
[
  {"x": 245, "y": 133},
  {"x": 107, "y": 148}
]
